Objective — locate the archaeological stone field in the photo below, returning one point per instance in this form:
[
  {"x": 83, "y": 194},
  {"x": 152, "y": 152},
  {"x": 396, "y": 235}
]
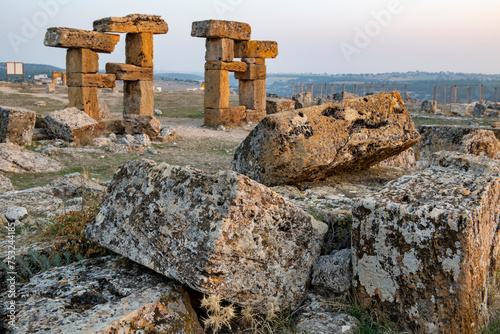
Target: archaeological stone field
[{"x": 264, "y": 215}]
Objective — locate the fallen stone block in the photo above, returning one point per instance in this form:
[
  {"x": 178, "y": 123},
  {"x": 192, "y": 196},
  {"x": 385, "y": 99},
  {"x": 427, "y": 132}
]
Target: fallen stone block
[
  {"x": 275, "y": 105},
  {"x": 317, "y": 142},
  {"x": 138, "y": 98},
  {"x": 72, "y": 125},
  {"x": 465, "y": 162},
  {"x": 217, "y": 233},
  {"x": 256, "y": 49},
  {"x": 104, "y": 295},
  {"x": 231, "y": 115},
  {"x": 91, "y": 80},
  {"x": 333, "y": 273},
  {"x": 129, "y": 72},
  {"x": 219, "y": 49},
  {"x": 482, "y": 143},
  {"x": 479, "y": 110},
  {"x": 167, "y": 133},
  {"x": 139, "y": 49},
  {"x": 429, "y": 107},
  {"x": 76, "y": 38},
  {"x": 137, "y": 124},
  {"x": 425, "y": 249},
  {"x": 221, "y": 29},
  {"x": 14, "y": 159},
  {"x": 17, "y": 125},
  {"x": 405, "y": 159},
  {"x": 234, "y": 66},
  {"x": 82, "y": 61},
  {"x": 133, "y": 23}
]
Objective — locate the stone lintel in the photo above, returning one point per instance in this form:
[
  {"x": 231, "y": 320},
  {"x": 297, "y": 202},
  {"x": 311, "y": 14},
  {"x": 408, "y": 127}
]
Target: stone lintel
[
  {"x": 221, "y": 29},
  {"x": 133, "y": 23},
  {"x": 77, "y": 38},
  {"x": 234, "y": 66},
  {"x": 129, "y": 72},
  {"x": 91, "y": 80}
]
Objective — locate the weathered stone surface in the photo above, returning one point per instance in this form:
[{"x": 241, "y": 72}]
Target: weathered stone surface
[
  {"x": 344, "y": 96},
  {"x": 76, "y": 38},
  {"x": 276, "y": 105},
  {"x": 218, "y": 233},
  {"x": 256, "y": 61},
  {"x": 138, "y": 98},
  {"x": 129, "y": 72},
  {"x": 82, "y": 61},
  {"x": 230, "y": 115},
  {"x": 75, "y": 185},
  {"x": 333, "y": 272},
  {"x": 167, "y": 133},
  {"x": 253, "y": 72},
  {"x": 429, "y": 107},
  {"x": 71, "y": 124},
  {"x": 105, "y": 295},
  {"x": 302, "y": 100},
  {"x": 482, "y": 143},
  {"x": 254, "y": 116},
  {"x": 252, "y": 94},
  {"x": 424, "y": 249},
  {"x": 216, "y": 89},
  {"x": 256, "y": 49},
  {"x": 14, "y": 159},
  {"x": 234, "y": 66},
  {"x": 314, "y": 143},
  {"x": 465, "y": 162},
  {"x": 139, "y": 49},
  {"x": 137, "y": 124},
  {"x": 405, "y": 159},
  {"x": 91, "y": 80},
  {"x": 14, "y": 213},
  {"x": 5, "y": 184},
  {"x": 50, "y": 88},
  {"x": 479, "y": 110},
  {"x": 327, "y": 322},
  {"x": 17, "y": 125},
  {"x": 221, "y": 29},
  {"x": 219, "y": 49},
  {"x": 133, "y": 23},
  {"x": 84, "y": 98}
]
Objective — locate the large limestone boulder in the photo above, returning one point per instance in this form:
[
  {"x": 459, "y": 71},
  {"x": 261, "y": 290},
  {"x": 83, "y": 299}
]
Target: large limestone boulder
[
  {"x": 105, "y": 295},
  {"x": 482, "y": 143},
  {"x": 317, "y": 142},
  {"x": 17, "y": 125},
  {"x": 71, "y": 124},
  {"x": 217, "y": 233},
  {"x": 425, "y": 249},
  {"x": 14, "y": 159}
]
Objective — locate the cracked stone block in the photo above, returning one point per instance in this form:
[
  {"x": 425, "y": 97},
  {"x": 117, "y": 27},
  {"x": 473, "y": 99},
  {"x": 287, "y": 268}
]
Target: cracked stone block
[
  {"x": 17, "y": 125},
  {"x": 84, "y": 39},
  {"x": 133, "y": 23},
  {"x": 82, "y": 61},
  {"x": 139, "y": 49},
  {"x": 219, "y": 49},
  {"x": 221, "y": 29},
  {"x": 425, "y": 249}
]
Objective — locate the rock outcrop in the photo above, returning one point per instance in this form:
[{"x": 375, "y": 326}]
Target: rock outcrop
[
  {"x": 17, "y": 125},
  {"x": 333, "y": 272},
  {"x": 105, "y": 295},
  {"x": 482, "y": 143},
  {"x": 71, "y": 124},
  {"x": 14, "y": 159},
  {"x": 217, "y": 233},
  {"x": 314, "y": 143},
  {"x": 425, "y": 249}
]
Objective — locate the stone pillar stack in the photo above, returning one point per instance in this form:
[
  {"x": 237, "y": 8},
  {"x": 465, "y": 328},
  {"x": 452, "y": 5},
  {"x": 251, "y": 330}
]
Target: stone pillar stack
[
  {"x": 227, "y": 40},
  {"x": 137, "y": 73},
  {"x": 252, "y": 82},
  {"x": 82, "y": 64}
]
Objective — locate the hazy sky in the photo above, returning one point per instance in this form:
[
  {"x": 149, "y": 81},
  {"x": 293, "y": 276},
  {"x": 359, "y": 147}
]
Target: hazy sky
[{"x": 318, "y": 36}]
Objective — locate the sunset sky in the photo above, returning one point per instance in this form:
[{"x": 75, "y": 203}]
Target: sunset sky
[{"x": 318, "y": 36}]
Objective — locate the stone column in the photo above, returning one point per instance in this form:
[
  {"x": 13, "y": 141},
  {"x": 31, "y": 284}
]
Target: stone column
[
  {"x": 252, "y": 85},
  {"x": 137, "y": 73},
  {"x": 82, "y": 64},
  {"x": 221, "y": 37}
]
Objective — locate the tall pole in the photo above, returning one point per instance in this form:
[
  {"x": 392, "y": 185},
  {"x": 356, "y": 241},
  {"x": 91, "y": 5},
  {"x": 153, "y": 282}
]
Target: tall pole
[{"x": 481, "y": 94}]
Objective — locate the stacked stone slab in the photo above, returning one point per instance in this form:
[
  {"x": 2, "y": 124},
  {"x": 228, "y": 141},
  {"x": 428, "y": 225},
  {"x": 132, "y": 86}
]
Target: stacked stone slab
[
  {"x": 137, "y": 73},
  {"x": 82, "y": 64},
  {"x": 227, "y": 40}
]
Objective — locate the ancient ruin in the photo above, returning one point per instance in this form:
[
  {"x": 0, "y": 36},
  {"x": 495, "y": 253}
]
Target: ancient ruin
[
  {"x": 56, "y": 75},
  {"x": 82, "y": 61},
  {"x": 137, "y": 72},
  {"x": 227, "y": 40}
]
